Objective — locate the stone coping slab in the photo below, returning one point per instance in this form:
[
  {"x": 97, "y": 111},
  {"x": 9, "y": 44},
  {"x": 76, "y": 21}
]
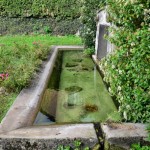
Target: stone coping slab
[
  {"x": 24, "y": 110},
  {"x": 125, "y": 130},
  {"x": 125, "y": 134},
  {"x": 49, "y": 137},
  {"x": 70, "y": 131}
]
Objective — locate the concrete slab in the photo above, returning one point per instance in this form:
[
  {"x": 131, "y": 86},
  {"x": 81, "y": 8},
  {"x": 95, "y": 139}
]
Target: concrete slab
[
  {"x": 62, "y": 47},
  {"x": 49, "y": 136},
  {"x": 125, "y": 134},
  {"x": 70, "y": 131}
]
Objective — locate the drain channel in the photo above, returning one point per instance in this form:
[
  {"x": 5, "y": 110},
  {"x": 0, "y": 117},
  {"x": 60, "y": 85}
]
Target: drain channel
[{"x": 99, "y": 134}]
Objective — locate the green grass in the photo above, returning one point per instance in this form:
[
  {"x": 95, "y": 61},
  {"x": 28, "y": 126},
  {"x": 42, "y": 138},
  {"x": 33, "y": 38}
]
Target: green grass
[
  {"x": 44, "y": 39},
  {"x": 20, "y": 57}
]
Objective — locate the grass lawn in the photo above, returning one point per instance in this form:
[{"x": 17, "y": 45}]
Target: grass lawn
[
  {"x": 20, "y": 58},
  {"x": 44, "y": 39}
]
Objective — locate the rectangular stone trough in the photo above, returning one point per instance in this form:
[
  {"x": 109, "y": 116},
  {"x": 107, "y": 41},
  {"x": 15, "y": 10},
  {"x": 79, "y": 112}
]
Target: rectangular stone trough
[{"x": 18, "y": 132}]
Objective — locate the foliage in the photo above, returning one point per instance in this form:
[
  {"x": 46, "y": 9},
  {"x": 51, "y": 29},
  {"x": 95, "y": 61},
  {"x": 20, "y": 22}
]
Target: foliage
[
  {"x": 60, "y": 9},
  {"x": 20, "y": 57},
  {"x": 47, "y": 30},
  {"x": 114, "y": 117},
  {"x": 38, "y": 25},
  {"x": 77, "y": 145},
  {"x": 127, "y": 68},
  {"x": 138, "y": 147},
  {"x": 6, "y": 100},
  {"x": 89, "y": 51},
  {"x": 88, "y": 19}
]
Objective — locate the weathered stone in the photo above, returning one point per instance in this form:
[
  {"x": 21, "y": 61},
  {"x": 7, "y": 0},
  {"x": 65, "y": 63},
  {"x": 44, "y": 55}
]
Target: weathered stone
[
  {"x": 90, "y": 107},
  {"x": 49, "y": 102},
  {"x": 71, "y": 64},
  {"x": 73, "y": 89},
  {"x": 123, "y": 135},
  {"x": 102, "y": 46},
  {"x": 49, "y": 137}
]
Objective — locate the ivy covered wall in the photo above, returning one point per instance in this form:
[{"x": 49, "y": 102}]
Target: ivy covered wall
[{"x": 88, "y": 18}]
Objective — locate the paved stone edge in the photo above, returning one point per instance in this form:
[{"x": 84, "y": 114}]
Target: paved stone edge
[{"x": 49, "y": 137}]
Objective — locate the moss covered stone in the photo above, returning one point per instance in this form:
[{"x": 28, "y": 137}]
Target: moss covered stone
[
  {"x": 90, "y": 108},
  {"x": 71, "y": 64},
  {"x": 73, "y": 89}
]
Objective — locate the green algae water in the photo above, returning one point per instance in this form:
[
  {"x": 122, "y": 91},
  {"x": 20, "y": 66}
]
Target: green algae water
[{"x": 76, "y": 92}]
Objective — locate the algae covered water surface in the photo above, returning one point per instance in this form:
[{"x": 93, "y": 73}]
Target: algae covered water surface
[{"x": 80, "y": 95}]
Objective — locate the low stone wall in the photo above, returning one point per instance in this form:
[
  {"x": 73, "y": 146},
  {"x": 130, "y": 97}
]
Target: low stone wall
[{"x": 38, "y": 25}]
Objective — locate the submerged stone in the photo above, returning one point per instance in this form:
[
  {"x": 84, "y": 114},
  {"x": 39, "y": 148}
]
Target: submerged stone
[
  {"x": 71, "y": 64},
  {"x": 73, "y": 89},
  {"x": 77, "y": 60},
  {"x": 72, "y": 69},
  {"x": 69, "y": 105},
  {"x": 91, "y": 107},
  {"x": 85, "y": 67}
]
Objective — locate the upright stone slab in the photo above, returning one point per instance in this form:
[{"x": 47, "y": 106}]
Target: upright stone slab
[
  {"x": 102, "y": 43},
  {"x": 102, "y": 46}
]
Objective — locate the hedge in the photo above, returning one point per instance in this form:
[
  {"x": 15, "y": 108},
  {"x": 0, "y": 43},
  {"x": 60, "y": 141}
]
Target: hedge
[
  {"x": 127, "y": 68},
  {"x": 60, "y": 9},
  {"x": 88, "y": 18},
  {"x": 38, "y": 26}
]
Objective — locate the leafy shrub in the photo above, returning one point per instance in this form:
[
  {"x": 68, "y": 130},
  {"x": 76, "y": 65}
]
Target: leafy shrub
[
  {"x": 127, "y": 68},
  {"x": 47, "y": 30},
  {"x": 88, "y": 19},
  {"x": 60, "y": 9},
  {"x": 89, "y": 51},
  {"x": 38, "y": 25},
  {"x": 77, "y": 145},
  {"x": 138, "y": 147},
  {"x": 20, "y": 63}
]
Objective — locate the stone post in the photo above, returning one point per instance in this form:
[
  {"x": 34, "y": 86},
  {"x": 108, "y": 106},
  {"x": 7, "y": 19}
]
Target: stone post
[{"x": 102, "y": 46}]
